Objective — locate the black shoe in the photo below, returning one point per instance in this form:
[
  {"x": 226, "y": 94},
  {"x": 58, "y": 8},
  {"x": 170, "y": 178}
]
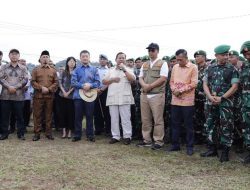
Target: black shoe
[
  {"x": 36, "y": 138},
  {"x": 21, "y": 137},
  {"x": 3, "y": 137},
  {"x": 212, "y": 152},
  {"x": 98, "y": 133},
  {"x": 156, "y": 147},
  {"x": 246, "y": 160},
  {"x": 75, "y": 139},
  {"x": 143, "y": 144},
  {"x": 190, "y": 151},
  {"x": 127, "y": 141},
  {"x": 173, "y": 149},
  {"x": 224, "y": 154},
  {"x": 50, "y": 137},
  {"x": 12, "y": 130},
  {"x": 113, "y": 141},
  {"x": 91, "y": 139}
]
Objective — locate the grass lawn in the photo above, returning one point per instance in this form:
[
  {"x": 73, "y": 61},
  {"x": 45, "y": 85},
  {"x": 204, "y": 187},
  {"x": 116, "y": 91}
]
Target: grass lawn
[{"x": 62, "y": 164}]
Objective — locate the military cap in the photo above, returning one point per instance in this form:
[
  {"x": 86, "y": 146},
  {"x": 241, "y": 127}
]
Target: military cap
[
  {"x": 145, "y": 58},
  {"x": 233, "y": 52},
  {"x": 165, "y": 58},
  {"x": 102, "y": 56},
  {"x": 245, "y": 47},
  {"x": 221, "y": 49},
  {"x": 200, "y": 52},
  {"x": 131, "y": 59},
  {"x": 172, "y": 58}
]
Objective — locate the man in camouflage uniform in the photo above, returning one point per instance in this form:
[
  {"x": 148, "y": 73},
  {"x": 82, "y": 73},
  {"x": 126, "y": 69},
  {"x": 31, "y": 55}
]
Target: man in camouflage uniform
[
  {"x": 168, "y": 98},
  {"x": 238, "y": 140},
  {"x": 220, "y": 83},
  {"x": 137, "y": 128},
  {"x": 200, "y": 97},
  {"x": 245, "y": 85}
]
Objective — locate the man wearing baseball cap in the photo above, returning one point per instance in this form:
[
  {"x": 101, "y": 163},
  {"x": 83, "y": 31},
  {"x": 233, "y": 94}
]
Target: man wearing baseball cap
[
  {"x": 152, "y": 78},
  {"x": 245, "y": 85}
]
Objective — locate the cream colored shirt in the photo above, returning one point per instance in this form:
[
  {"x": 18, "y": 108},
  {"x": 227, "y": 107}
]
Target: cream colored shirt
[{"x": 119, "y": 93}]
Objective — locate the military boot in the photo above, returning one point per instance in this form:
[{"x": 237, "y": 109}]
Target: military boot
[
  {"x": 212, "y": 152},
  {"x": 224, "y": 157}
]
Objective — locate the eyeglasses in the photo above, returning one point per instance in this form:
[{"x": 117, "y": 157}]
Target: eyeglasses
[{"x": 151, "y": 50}]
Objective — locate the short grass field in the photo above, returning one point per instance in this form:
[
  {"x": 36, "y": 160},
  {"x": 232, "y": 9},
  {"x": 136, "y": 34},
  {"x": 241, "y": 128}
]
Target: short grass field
[{"x": 62, "y": 164}]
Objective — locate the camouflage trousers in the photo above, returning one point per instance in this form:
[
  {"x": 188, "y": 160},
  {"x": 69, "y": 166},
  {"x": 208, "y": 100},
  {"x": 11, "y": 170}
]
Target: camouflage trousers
[
  {"x": 246, "y": 126},
  {"x": 237, "y": 123},
  {"x": 199, "y": 117},
  {"x": 220, "y": 125}
]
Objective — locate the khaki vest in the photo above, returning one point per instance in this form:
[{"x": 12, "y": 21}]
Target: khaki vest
[{"x": 150, "y": 75}]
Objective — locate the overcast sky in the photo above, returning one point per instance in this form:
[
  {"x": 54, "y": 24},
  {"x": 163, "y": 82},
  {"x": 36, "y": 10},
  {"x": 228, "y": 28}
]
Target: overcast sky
[{"x": 65, "y": 27}]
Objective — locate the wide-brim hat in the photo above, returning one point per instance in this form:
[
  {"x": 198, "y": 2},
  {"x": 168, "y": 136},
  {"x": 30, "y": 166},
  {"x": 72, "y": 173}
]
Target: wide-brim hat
[{"x": 88, "y": 96}]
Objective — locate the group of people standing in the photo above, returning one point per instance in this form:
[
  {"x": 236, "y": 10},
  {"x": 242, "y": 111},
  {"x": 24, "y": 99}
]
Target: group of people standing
[{"x": 154, "y": 100}]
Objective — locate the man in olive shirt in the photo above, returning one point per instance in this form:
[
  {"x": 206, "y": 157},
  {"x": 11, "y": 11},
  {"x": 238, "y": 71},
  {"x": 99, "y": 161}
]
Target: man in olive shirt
[
  {"x": 45, "y": 82},
  {"x": 13, "y": 77}
]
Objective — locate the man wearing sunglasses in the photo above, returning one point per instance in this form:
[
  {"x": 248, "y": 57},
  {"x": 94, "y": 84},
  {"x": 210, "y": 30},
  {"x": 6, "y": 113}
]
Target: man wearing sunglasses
[{"x": 152, "y": 78}]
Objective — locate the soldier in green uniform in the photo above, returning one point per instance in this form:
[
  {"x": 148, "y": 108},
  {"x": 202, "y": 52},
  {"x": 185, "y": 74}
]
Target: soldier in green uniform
[
  {"x": 168, "y": 98},
  {"x": 245, "y": 85},
  {"x": 238, "y": 140},
  {"x": 137, "y": 93},
  {"x": 220, "y": 82},
  {"x": 200, "y": 97}
]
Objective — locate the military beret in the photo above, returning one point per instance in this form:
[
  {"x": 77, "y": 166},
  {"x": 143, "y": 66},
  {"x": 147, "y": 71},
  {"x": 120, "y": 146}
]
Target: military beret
[
  {"x": 165, "y": 58},
  {"x": 192, "y": 61},
  {"x": 172, "y": 58},
  {"x": 110, "y": 63},
  {"x": 212, "y": 61},
  {"x": 245, "y": 47},
  {"x": 131, "y": 59},
  {"x": 242, "y": 58},
  {"x": 145, "y": 58},
  {"x": 233, "y": 52},
  {"x": 200, "y": 52},
  {"x": 137, "y": 59},
  {"x": 221, "y": 49}
]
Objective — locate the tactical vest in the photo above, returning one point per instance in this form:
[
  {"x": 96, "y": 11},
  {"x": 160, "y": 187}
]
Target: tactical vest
[{"x": 150, "y": 75}]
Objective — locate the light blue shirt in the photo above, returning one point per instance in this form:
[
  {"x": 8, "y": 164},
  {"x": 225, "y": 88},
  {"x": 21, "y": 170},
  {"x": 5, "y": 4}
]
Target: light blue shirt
[
  {"x": 102, "y": 70},
  {"x": 84, "y": 74}
]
